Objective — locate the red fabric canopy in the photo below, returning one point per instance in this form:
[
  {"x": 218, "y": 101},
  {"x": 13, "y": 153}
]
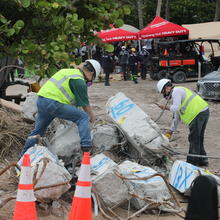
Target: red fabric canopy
[
  {"x": 160, "y": 27},
  {"x": 117, "y": 34}
]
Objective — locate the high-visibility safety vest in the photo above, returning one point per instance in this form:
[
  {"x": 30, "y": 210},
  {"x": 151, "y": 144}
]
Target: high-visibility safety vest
[
  {"x": 57, "y": 87},
  {"x": 192, "y": 105}
]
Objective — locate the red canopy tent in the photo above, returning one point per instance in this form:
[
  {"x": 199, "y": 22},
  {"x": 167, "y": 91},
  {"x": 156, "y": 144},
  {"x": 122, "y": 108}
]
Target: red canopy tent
[
  {"x": 117, "y": 34},
  {"x": 160, "y": 27}
]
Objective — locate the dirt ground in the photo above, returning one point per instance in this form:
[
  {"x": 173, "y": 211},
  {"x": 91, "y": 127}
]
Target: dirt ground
[{"x": 144, "y": 94}]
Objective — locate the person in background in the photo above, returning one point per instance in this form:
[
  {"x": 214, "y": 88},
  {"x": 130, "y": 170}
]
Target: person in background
[
  {"x": 123, "y": 61},
  {"x": 144, "y": 57},
  {"x": 193, "y": 111},
  {"x": 61, "y": 96},
  {"x": 133, "y": 64},
  {"x": 107, "y": 64}
]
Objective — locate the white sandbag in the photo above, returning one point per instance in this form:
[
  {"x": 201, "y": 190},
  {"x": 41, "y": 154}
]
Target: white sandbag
[
  {"x": 154, "y": 188},
  {"x": 29, "y": 107},
  {"x": 140, "y": 130},
  {"x": 49, "y": 171},
  {"x": 104, "y": 136},
  {"x": 111, "y": 188}
]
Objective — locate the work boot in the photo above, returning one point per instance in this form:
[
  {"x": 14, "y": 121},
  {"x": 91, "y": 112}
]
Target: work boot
[{"x": 86, "y": 149}]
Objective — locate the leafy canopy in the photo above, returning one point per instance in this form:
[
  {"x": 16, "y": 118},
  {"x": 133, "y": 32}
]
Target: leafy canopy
[{"x": 44, "y": 33}]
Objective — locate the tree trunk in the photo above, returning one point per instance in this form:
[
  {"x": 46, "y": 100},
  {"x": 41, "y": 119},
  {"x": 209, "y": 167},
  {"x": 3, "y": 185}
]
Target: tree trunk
[
  {"x": 159, "y": 5},
  {"x": 167, "y": 12},
  {"x": 140, "y": 13},
  {"x": 217, "y": 11}
]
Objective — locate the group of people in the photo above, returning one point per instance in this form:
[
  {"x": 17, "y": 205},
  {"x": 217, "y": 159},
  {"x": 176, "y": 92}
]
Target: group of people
[{"x": 130, "y": 61}]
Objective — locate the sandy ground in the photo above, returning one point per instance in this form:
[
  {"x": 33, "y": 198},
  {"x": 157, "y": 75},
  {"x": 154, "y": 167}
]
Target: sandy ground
[{"x": 145, "y": 95}]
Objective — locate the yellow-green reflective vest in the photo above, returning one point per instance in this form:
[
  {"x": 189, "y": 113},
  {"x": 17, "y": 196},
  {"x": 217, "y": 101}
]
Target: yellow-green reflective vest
[
  {"x": 192, "y": 105},
  {"x": 57, "y": 87}
]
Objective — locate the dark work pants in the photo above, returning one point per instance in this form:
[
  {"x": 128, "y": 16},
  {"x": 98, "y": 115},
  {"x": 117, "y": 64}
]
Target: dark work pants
[
  {"x": 124, "y": 70},
  {"x": 133, "y": 70},
  {"x": 143, "y": 71},
  {"x": 107, "y": 73},
  {"x": 196, "y": 138}
]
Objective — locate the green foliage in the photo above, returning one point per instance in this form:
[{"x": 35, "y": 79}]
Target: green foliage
[{"x": 45, "y": 33}]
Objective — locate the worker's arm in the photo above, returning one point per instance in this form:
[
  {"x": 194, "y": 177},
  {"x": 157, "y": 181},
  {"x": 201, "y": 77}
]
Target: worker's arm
[
  {"x": 89, "y": 111},
  {"x": 178, "y": 96},
  {"x": 79, "y": 89},
  {"x": 175, "y": 122}
]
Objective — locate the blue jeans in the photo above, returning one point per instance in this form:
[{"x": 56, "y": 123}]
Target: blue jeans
[{"x": 49, "y": 109}]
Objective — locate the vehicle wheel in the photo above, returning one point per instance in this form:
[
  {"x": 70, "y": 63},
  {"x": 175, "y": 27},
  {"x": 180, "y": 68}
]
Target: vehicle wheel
[
  {"x": 179, "y": 77},
  {"x": 162, "y": 74},
  {"x": 153, "y": 76}
]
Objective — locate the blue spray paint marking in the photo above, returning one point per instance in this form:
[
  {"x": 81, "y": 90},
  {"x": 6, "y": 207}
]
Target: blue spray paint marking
[
  {"x": 185, "y": 179},
  {"x": 121, "y": 108},
  {"x": 100, "y": 163},
  {"x": 182, "y": 176}
]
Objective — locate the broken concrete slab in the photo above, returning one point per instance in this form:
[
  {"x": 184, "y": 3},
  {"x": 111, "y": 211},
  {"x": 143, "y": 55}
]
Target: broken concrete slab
[
  {"x": 183, "y": 174},
  {"x": 104, "y": 136},
  {"x": 52, "y": 177},
  {"x": 65, "y": 142},
  {"x": 154, "y": 188},
  {"x": 141, "y": 131},
  {"x": 29, "y": 107},
  {"x": 99, "y": 164},
  {"x": 110, "y": 188}
]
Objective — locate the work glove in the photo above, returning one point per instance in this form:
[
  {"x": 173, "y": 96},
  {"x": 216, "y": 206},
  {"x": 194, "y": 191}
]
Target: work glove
[{"x": 168, "y": 134}]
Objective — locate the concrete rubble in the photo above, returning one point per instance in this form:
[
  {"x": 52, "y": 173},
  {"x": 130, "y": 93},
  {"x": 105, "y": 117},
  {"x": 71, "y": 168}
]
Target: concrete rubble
[
  {"x": 141, "y": 131},
  {"x": 29, "y": 107},
  {"x": 47, "y": 171},
  {"x": 183, "y": 174},
  {"x": 104, "y": 136},
  {"x": 154, "y": 188},
  {"x": 111, "y": 188},
  {"x": 128, "y": 120}
]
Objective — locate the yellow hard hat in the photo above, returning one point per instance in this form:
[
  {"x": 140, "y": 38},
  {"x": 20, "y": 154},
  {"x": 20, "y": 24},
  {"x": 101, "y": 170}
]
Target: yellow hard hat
[{"x": 133, "y": 49}]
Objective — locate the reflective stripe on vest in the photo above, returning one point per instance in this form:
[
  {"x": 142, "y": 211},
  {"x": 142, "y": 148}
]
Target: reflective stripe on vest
[
  {"x": 182, "y": 109},
  {"x": 59, "y": 83}
]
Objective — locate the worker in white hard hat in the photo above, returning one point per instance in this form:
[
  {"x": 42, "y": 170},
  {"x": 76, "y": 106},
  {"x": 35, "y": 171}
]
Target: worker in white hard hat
[
  {"x": 61, "y": 96},
  {"x": 193, "y": 111}
]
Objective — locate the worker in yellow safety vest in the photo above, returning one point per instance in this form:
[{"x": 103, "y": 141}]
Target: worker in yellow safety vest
[
  {"x": 61, "y": 96},
  {"x": 193, "y": 111}
]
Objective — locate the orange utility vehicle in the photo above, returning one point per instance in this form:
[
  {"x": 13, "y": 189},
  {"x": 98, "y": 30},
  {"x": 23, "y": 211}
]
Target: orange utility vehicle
[{"x": 182, "y": 59}]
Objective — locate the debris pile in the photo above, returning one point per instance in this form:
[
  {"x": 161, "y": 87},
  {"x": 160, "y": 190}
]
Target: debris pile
[{"x": 129, "y": 161}]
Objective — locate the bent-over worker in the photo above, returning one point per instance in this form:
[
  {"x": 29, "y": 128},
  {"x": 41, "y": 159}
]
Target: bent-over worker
[
  {"x": 60, "y": 96},
  {"x": 193, "y": 111}
]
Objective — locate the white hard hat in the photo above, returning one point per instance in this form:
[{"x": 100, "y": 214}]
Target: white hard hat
[
  {"x": 161, "y": 83},
  {"x": 123, "y": 47},
  {"x": 96, "y": 65},
  {"x": 144, "y": 47}
]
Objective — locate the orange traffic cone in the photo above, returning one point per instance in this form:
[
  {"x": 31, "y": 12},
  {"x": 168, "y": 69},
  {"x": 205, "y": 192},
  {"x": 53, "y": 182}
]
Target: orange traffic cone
[
  {"x": 25, "y": 203},
  {"x": 165, "y": 52},
  {"x": 82, "y": 203}
]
